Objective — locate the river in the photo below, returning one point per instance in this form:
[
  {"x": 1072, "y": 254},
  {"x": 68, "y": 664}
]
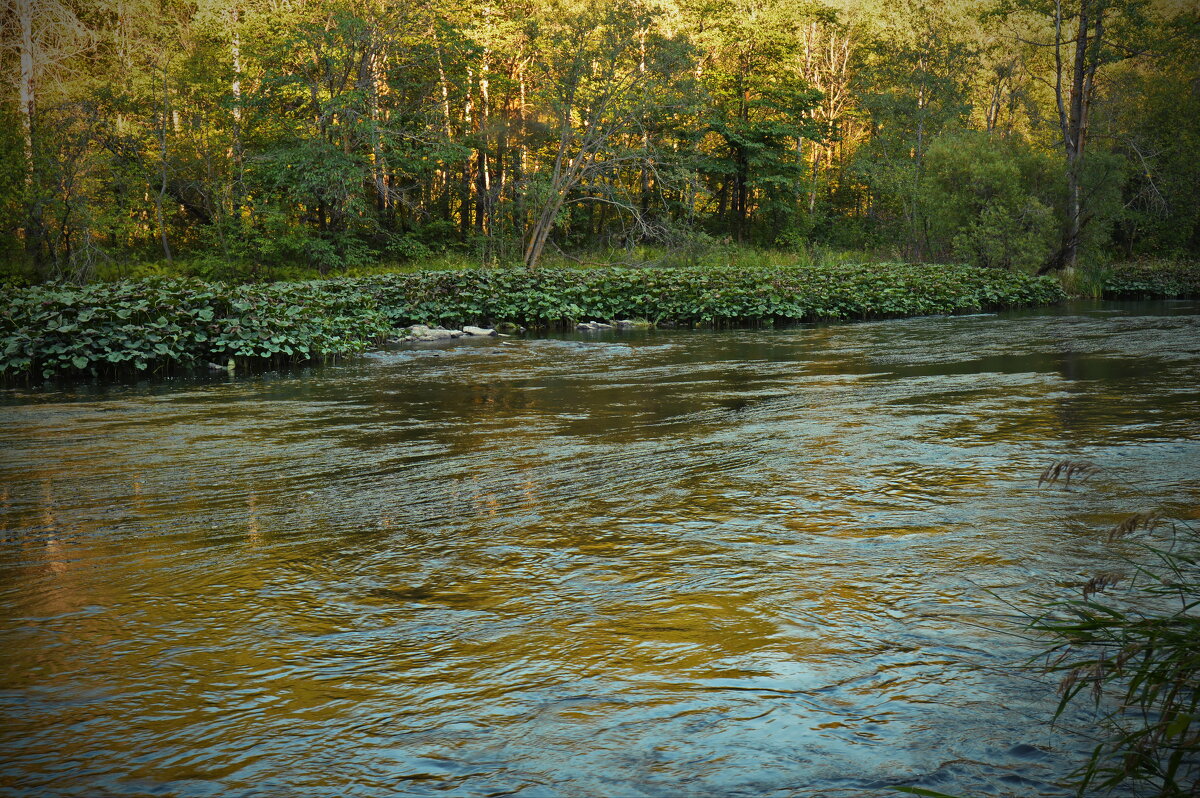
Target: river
[{"x": 657, "y": 563}]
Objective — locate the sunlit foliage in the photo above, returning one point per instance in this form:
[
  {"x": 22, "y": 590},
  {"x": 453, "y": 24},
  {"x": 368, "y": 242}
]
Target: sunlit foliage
[
  {"x": 335, "y": 135},
  {"x": 162, "y": 326}
]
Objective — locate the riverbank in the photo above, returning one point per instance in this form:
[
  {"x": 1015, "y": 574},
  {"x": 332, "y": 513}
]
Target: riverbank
[
  {"x": 1150, "y": 279},
  {"x": 166, "y": 326}
]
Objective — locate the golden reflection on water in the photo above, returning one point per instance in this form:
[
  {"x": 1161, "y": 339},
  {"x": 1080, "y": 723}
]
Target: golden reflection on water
[
  {"x": 745, "y": 563},
  {"x": 253, "y": 532}
]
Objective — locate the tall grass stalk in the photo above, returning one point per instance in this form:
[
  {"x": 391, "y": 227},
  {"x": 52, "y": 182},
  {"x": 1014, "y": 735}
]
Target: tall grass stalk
[{"x": 1129, "y": 645}]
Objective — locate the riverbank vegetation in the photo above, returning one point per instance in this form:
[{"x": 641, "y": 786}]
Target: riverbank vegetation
[
  {"x": 1129, "y": 644},
  {"x": 164, "y": 325},
  {"x": 1150, "y": 280},
  {"x": 234, "y": 139}
]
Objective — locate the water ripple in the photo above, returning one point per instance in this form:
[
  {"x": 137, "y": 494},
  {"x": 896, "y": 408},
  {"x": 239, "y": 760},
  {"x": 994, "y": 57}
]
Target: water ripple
[{"x": 774, "y": 562}]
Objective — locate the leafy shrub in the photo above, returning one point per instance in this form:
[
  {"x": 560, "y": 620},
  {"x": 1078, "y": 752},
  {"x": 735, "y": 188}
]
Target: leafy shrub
[
  {"x": 154, "y": 325},
  {"x": 157, "y": 325},
  {"x": 716, "y": 295},
  {"x": 1153, "y": 279},
  {"x": 980, "y": 204}
]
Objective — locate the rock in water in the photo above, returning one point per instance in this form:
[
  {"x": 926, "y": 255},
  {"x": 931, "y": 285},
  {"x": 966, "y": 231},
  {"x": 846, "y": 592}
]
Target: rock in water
[
  {"x": 469, "y": 330},
  {"x": 437, "y": 334},
  {"x": 420, "y": 333}
]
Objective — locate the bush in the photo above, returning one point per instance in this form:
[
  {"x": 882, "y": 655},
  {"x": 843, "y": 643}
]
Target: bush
[
  {"x": 1153, "y": 279},
  {"x": 981, "y": 204},
  {"x": 715, "y": 296},
  {"x": 157, "y": 325}
]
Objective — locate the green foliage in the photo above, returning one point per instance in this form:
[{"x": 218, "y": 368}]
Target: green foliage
[
  {"x": 1153, "y": 122},
  {"x": 1104, "y": 174},
  {"x": 158, "y": 325},
  {"x": 987, "y": 200},
  {"x": 245, "y": 139},
  {"x": 754, "y": 118},
  {"x": 718, "y": 295},
  {"x": 1152, "y": 279},
  {"x": 913, "y": 85},
  {"x": 12, "y": 190}
]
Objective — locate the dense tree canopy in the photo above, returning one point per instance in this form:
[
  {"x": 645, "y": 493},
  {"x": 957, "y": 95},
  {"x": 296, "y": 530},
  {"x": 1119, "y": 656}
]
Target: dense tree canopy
[{"x": 235, "y": 133}]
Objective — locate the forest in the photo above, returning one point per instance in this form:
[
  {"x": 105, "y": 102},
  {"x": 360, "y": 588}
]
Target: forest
[
  {"x": 244, "y": 139},
  {"x": 658, "y": 519}
]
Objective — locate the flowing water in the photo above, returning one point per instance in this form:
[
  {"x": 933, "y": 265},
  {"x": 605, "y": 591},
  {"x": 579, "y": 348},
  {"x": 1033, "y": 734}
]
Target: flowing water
[{"x": 712, "y": 563}]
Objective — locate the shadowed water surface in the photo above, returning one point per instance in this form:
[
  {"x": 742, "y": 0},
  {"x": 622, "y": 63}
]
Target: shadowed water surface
[{"x": 665, "y": 563}]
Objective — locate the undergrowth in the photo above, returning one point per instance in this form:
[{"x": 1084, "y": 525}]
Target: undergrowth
[
  {"x": 1152, "y": 279},
  {"x": 160, "y": 325}
]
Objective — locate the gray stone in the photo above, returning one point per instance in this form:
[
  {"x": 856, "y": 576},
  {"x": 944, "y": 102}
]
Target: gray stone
[{"x": 422, "y": 333}]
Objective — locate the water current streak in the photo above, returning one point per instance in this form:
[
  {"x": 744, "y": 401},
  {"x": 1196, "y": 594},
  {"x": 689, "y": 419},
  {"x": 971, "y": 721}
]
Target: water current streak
[{"x": 774, "y": 562}]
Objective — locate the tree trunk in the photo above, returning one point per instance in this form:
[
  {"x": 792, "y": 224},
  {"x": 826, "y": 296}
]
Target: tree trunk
[
  {"x": 741, "y": 195},
  {"x": 520, "y": 166},
  {"x": 444, "y": 85},
  {"x": 1073, "y": 141},
  {"x": 28, "y": 111},
  {"x": 235, "y": 54},
  {"x": 162, "y": 188},
  {"x": 483, "y": 178},
  {"x": 375, "y": 85},
  {"x": 541, "y": 232},
  {"x": 466, "y": 186},
  {"x": 235, "y": 89},
  {"x": 918, "y": 226},
  {"x": 644, "y": 176},
  {"x": 1073, "y": 113},
  {"x": 28, "y": 104}
]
